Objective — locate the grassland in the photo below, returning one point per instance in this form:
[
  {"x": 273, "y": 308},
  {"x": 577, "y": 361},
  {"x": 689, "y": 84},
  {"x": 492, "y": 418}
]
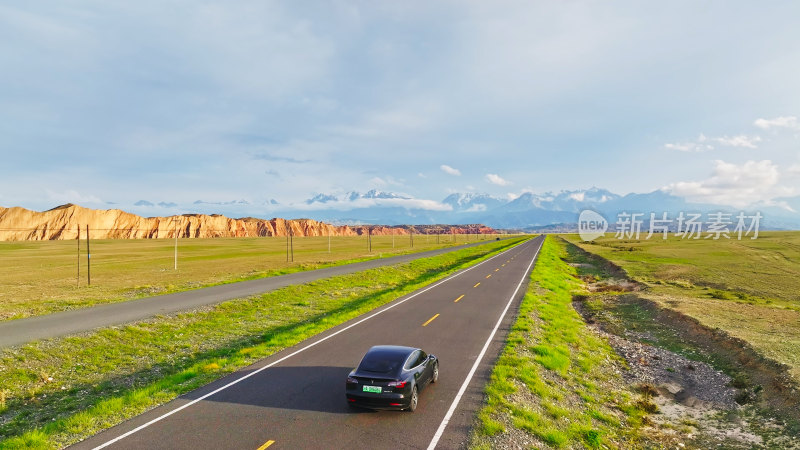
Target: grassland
[
  {"x": 750, "y": 289},
  {"x": 39, "y": 277},
  {"x": 57, "y": 391},
  {"x": 556, "y": 383}
]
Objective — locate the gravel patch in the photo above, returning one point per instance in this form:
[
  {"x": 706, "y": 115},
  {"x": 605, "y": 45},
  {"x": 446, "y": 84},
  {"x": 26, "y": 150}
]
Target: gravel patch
[{"x": 689, "y": 382}]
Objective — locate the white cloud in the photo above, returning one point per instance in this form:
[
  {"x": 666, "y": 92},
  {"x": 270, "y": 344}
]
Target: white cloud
[
  {"x": 742, "y": 185},
  {"x": 450, "y": 170},
  {"x": 704, "y": 143},
  {"x": 496, "y": 179},
  {"x": 778, "y": 122},
  {"x": 794, "y": 170},
  {"x": 739, "y": 141},
  {"x": 477, "y": 207},
  {"x": 689, "y": 146}
]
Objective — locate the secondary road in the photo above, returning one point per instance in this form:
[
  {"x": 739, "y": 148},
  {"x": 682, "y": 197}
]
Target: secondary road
[
  {"x": 21, "y": 331},
  {"x": 295, "y": 398}
]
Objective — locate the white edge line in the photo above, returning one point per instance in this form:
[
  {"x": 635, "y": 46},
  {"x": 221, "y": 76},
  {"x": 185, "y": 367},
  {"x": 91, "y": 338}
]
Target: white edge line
[
  {"x": 471, "y": 373},
  {"x": 238, "y": 380}
]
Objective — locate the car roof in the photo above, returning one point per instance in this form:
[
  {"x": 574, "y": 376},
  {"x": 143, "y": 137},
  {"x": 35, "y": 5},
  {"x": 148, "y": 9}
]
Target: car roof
[
  {"x": 385, "y": 359},
  {"x": 391, "y": 350}
]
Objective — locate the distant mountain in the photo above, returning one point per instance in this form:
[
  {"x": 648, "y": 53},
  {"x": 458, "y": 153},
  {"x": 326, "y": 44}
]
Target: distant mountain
[
  {"x": 471, "y": 203},
  {"x": 570, "y": 201},
  {"x": 529, "y": 210},
  {"x": 354, "y": 196}
]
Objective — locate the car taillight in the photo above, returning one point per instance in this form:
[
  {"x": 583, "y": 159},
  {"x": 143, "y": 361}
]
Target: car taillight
[
  {"x": 398, "y": 384},
  {"x": 351, "y": 380}
]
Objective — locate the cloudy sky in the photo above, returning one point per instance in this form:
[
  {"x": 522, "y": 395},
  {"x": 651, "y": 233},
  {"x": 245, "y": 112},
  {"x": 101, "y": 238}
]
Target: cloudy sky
[{"x": 115, "y": 102}]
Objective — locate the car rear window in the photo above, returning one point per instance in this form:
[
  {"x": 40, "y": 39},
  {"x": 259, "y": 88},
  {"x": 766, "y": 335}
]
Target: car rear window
[{"x": 381, "y": 362}]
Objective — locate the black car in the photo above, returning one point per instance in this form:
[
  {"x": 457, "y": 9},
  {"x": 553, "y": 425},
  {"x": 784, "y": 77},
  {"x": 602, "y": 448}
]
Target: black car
[{"x": 391, "y": 377}]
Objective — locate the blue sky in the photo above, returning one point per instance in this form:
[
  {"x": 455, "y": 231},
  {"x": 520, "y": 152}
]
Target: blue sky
[{"x": 111, "y": 103}]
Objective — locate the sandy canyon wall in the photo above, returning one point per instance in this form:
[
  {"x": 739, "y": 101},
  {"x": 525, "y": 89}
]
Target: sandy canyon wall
[{"x": 20, "y": 224}]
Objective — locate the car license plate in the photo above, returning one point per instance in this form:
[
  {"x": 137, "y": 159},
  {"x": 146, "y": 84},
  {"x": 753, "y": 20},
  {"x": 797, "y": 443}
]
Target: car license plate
[{"x": 376, "y": 389}]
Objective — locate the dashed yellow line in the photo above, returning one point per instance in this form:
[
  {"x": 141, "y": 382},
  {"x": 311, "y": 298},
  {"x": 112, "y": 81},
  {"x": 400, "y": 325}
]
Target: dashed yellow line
[
  {"x": 497, "y": 270},
  {"x": 459, "y": 298},
  {"x": 266, "y": 444},
  {"x": 430, "y": 320},
  {"x": 489, "y": 276},
  {"x": 503, "y": 265},
  {"x": 477, "y": 284}
]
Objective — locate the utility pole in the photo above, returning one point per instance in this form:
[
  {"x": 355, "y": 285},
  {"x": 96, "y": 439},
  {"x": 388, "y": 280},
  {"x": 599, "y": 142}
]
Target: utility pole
[
  {"x": 175, "y": 220},
  {"x": 291, "y": 242},
  {"x": 88, "y": 259},
  {"x": 411, "y": 235},
  {"x": 287, "y": 241},
  {"x": 369, "y": 238},
  {"x": 392, "y": 237},
  {"x": 329, "y": 240},
  {"x": 78, "y": 276}
]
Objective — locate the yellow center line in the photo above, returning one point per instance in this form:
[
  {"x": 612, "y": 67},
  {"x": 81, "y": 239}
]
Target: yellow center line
[
  {"x": 489, "y": 276},
  {"x": 459, "y": 298},
  {"x": 504, "y": 265},
  {"x": 497, "y": 270},
  {"x": 430, "y": 320},
  {"x": 266, "y": 444},
  {"x": 477, "y": 284}
]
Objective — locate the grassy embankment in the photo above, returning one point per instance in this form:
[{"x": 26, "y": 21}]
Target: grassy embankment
[
  {"x": 58, "y": 391},
  {"x": 556, "y": 382},
  {"x": 749, "y": 289},
  {"x": 767, "y": 398},
  {"x": 39, "y": 277}
]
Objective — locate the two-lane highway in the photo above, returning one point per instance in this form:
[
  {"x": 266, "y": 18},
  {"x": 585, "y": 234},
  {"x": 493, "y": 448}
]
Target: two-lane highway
[{"x": 295, "y": 398}]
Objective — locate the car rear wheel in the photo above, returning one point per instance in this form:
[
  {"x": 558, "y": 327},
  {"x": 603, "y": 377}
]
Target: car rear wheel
[
  {"x": 412, "y": 405},
  {"x": 435, "y": 377}
]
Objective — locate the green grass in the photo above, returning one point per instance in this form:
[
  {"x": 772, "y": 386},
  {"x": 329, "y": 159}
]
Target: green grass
[
  {"x": 556, "y": 381},
  {"x": 763, "y": 270},
  {"x": 750, "y": 288},
  {"x": 40, "y": 277},
  {"x": 102, "y": 378}
]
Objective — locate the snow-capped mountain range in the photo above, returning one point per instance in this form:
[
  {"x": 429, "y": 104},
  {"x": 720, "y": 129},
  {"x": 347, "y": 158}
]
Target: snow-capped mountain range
[{"x": 528, "y": 210}]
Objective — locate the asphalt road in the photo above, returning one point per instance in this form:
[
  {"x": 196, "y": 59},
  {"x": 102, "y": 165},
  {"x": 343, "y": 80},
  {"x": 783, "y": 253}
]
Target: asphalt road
[
  {"x": 295, "y": 398},
  {"x": 21, "y": 331}
]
